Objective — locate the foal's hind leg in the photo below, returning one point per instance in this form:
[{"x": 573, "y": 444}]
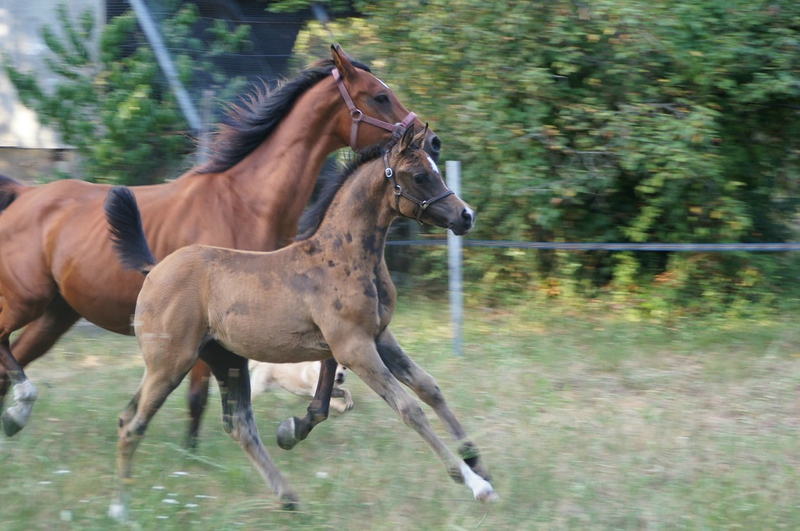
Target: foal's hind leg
[
  {"x": 233, "y": 377},
  {"x": 293, "y": 430},
  {"x": 157, "y": 384},
  {"x": 423, "y": 384},
  {"x": 362, "y": 358}
]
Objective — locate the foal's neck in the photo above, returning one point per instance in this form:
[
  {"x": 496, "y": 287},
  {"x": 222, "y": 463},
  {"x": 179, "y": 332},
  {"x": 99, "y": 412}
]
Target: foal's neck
[{"x": 359, "y": 216}]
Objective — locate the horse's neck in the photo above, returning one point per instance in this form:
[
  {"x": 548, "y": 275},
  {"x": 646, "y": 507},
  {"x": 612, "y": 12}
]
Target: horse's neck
[{"x": 277, "y": 179}]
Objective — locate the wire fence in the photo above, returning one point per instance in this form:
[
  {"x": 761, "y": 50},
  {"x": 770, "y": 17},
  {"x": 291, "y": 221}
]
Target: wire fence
[{"x": 599, "y": 246}]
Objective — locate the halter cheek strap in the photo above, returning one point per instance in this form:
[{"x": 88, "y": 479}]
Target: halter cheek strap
[
  {"x": 357, "y": 116},
  {"x": 422, "y": 205}
]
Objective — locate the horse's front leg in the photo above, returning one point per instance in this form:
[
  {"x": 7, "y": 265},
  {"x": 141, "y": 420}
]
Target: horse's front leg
[
  {"x": 293, "y": 430},
  {"x": 361, "y": 356},
  {"x": 423, "y": 384}
]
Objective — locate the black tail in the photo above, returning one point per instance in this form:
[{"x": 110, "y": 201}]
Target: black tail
[
  {"x": 127, "y": 233},
  {"x": 9, "y": 190}
]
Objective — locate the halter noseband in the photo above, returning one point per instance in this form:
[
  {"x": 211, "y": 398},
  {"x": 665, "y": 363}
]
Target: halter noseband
[
  {"x": 388, "y": 172},
  {"x": 357, "y": 116}
]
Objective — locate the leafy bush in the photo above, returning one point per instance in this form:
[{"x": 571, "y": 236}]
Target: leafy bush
[{"x": 616, "y": 120}]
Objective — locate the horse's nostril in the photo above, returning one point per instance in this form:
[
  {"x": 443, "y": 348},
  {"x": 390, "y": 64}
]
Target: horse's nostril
[
  {"x": 467, "y": 216},
  {"x": 436, "y": 144}
]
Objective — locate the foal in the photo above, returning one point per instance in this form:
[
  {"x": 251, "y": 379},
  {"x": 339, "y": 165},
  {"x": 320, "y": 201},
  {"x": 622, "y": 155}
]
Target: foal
[{"x": 328, "y": 295}]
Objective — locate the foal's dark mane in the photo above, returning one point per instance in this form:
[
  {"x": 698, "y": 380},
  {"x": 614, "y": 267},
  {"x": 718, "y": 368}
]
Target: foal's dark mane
[
  {"x": 260, "y": 113},
  {"x": 330, "y": 183}
]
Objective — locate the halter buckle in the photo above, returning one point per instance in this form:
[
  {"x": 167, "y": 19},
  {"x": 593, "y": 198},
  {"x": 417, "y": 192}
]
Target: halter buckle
[
  {"x": 356, "y": 115},
  {"x": 388, "y": 172}
]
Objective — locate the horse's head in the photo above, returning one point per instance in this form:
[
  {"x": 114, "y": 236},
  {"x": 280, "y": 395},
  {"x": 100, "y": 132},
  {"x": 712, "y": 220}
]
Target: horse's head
[
  {"x": 418, "y": 190},
  {"x": 372, "y": 114}
]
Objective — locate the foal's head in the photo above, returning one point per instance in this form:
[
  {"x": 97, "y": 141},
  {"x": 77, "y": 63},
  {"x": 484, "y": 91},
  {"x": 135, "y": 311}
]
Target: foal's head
[{"x": 418, "y": 190}]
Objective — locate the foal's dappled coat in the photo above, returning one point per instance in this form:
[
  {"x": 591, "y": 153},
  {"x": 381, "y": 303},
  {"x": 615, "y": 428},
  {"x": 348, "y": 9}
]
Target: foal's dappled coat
[{"x": 327, "y": 295}]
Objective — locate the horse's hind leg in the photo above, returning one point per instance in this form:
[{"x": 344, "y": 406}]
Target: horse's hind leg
[
  {"x": 233, "y": 377},
  {"x": 39, "y": 336},
  {"x": 293, "y": 430},
  {"x": 363, "y": 359},
  {"x": 423, "y": 384},
  {"x": 16, "y": 417}
]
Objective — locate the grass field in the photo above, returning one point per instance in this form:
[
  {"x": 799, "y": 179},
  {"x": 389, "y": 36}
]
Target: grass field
[{"x": 585, "y": 419}]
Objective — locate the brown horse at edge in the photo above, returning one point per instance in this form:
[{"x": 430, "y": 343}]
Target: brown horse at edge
[
  {"x": 328, "y": 295},
  {"x": 57, "y": 264}
]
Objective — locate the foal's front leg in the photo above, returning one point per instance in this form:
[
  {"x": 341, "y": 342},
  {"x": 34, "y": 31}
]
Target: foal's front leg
[
  {"x": 293, "y": 430},
  {"x": 361, "y": 356},
  {"x": 423, "y": 384}
]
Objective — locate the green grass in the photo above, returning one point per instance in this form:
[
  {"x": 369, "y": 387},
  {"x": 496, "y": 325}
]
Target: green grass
[{"x": 586, "y": 420}]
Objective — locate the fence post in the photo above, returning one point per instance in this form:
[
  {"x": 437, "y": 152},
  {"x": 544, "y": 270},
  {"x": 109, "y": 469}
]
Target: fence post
[
  {"x": 453, "y": 174},
  {"x": 165, "y": 62}
]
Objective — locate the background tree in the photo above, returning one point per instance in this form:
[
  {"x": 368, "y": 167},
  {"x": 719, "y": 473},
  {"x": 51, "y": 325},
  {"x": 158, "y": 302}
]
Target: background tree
[{"x": 116, "y": 108}]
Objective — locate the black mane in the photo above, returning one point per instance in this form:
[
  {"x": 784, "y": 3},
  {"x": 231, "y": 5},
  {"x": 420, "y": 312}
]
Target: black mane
[
  {"x": 8, "y": 191},
  {"x": 329, "y": 185},
  {"x": 260, "y": 113}
]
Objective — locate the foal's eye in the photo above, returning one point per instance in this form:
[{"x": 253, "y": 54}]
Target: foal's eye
[
  {"x": 382, "y": 99},
  {"x": 420, "y": 178}
]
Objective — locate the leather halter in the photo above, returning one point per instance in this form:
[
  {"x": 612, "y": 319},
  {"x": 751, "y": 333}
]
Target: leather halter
[
  {"x": 399, "y": 192},
  {"x": 357, "y": 116}
]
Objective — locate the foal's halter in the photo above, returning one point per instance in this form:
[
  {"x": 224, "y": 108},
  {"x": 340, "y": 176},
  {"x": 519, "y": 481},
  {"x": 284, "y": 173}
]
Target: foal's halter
[
  {"x": 357, "y": 116},
  {"x": 399, "y": 192}
]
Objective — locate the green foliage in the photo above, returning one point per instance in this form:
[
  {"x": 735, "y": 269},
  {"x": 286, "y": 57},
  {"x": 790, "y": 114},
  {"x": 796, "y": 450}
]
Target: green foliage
[
  {"x": 617, "y": 120},
  {"x": 116, "y": 108}
]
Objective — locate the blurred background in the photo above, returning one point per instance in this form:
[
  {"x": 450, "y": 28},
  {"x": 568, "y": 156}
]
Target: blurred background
[
  {"x": 611, "y": 121},
  {"x": 648, "y": 389}
]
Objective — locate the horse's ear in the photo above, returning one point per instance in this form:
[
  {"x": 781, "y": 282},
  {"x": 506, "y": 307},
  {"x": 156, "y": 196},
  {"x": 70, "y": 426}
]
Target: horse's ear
[{"x": 342, "y": 62}]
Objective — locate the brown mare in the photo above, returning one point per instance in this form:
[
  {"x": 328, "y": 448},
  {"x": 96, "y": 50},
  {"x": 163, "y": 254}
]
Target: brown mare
[
  {"x": 326, "y": 295},
  {"x": 56, "y": 263}
]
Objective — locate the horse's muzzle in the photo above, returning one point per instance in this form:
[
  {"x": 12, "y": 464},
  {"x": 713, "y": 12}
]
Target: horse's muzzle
[{"x": 433, "y": 146}]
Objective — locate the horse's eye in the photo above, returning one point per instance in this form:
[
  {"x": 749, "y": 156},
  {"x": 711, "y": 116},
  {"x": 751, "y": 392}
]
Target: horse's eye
[
  {"x": 420, "y": 178},
  {"x": 381, "y": 99}
]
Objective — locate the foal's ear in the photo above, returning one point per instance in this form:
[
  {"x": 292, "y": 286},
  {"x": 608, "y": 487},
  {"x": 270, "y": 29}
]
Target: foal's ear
[
  {"x": 407, "y": 139},
  {"x": 419, "y": 140},
  {"x": 342, "y": 62}
]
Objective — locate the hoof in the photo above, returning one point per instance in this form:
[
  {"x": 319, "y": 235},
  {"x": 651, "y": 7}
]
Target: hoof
[
  {"x": 190, "y": 443},
  {"x": 290, "y": 502},
  {"x": 488, "y": 497},
  {"x": 287, "y": 434},
  {"x": 482, "y": 490},
  {"x": 11, "y": 426}
]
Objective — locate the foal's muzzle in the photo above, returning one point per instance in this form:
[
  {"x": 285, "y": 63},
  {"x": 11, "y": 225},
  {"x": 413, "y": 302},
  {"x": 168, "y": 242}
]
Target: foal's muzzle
[{"x": 463, "y": 225}]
